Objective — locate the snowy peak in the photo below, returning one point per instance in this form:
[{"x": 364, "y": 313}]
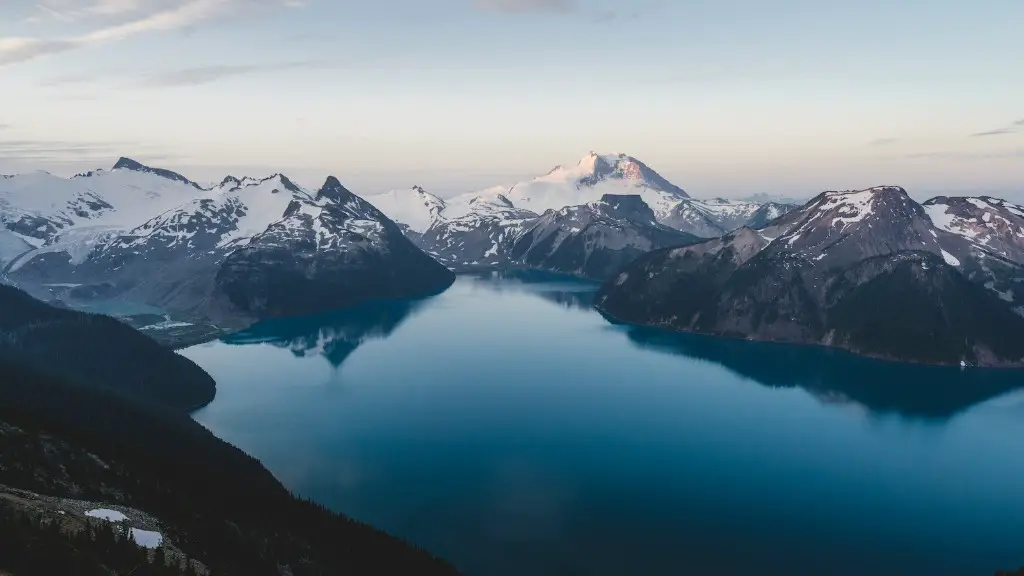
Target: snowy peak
[
  {"x": 850, "y": 226},
  {"x": 990, "y": 224},
  {"x": 595, "y": 168},
  {"x": 129, "y": 164},
  {"x": 414, "y": 207}
]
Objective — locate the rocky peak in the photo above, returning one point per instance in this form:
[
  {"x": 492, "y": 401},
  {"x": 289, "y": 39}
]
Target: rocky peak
[
  {"x": 230, "y": 181},
  {"x": 129, "y": 164},
  {"x": 333, "y": 190},
  {"x": 629, "y": 206}
]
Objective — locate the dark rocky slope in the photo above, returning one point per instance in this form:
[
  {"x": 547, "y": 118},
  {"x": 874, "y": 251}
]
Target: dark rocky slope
[
  {"x": 866, "y": 271},
  {"x": 594, "y": 240}
]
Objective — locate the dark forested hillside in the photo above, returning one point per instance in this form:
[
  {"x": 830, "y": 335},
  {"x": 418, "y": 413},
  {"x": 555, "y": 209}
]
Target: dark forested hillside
[
  {"x": 219, "y": 505},
  {"x": 98, "y": 351}
]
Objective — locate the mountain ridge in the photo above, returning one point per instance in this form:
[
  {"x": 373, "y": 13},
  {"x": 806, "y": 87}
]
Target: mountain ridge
[{"x": 828, "y": 273}]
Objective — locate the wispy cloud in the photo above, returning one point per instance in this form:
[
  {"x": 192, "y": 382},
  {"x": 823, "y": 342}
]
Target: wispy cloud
[
  {"x": 72, "y": 152},
  {"x": 1010, "y": 129},
  {"x": 883, "y": 141},
  {"x": 208, "y": 74},
  {"x": 135, "y": 17}
]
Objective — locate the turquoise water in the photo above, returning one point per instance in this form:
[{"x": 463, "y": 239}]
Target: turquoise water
[{"x": 507, "y": 427}]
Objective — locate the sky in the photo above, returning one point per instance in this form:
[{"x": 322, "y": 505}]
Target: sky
[{"x": 723, "y": 98}]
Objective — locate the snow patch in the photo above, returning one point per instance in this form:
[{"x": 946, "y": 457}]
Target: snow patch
[
  {"x": 147, "y": 538},
  {"x": 108, "y": 515},
  {"x": 950, "y": 259}
]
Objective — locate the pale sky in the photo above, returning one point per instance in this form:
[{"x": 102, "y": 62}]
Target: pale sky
[{"x": 723, "y": 97}]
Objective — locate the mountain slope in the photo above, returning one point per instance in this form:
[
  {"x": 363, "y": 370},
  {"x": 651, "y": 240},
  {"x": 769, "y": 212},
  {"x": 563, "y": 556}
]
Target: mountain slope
[
  {"x": 97, "y": 349},
  {"x": 44, "y": 209},
  {"x": 866, "y": 271},
  {"x": 992, "y": 251},
  {"x": 330, "y": 251},
  {"x": 483, "y": 234},
  {"x": 594, "y": 240},
  {"x": 718, "y": 216},
  {"x": 415, "y": 208}
]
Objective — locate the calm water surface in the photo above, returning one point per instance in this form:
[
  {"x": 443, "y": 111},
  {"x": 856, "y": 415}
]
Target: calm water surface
[{"x": 509, "y": 428}]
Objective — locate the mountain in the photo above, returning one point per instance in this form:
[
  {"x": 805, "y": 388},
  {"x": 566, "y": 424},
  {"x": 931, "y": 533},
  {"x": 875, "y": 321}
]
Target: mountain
[
  {"x": 61, "y": 214},
  {"x": 592, "y": 177},
  {"x": 480, "y": 233},
  {"x": 718, "y": 216},
  {"x": 170, "y": 260},
  {"x": 765, "y": 198},
  {"x": 993, "y": 231},
  {"x": 415, "y": 208},
  {"x": 182, "y": 248},
  {"x": 594, "y": 240},
  {"x": 867, "y": 271},
  {"x": 479, "y": 229},
  {"x": 326, "y": 252}
]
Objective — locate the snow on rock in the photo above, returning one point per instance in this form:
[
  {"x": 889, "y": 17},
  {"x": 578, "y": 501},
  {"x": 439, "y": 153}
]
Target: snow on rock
[
  {"x": 108, "y": 515},
  {"x": 950, "y": 259}
]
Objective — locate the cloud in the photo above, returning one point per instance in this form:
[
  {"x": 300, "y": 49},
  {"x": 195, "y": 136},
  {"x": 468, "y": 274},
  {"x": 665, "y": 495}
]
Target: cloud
[
  {"x": 208, "y": 74},
  {"x": 18, "y": 49},
  {"x": 522, "y": 6},
  {"x": 134, "y": 17},
  {"x": 1013, "y": 128},
  {"x": 883, "y": 142}
]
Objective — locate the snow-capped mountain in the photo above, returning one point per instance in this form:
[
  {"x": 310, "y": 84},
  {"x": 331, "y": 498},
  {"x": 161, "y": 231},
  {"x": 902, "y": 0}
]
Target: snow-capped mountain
[
  {"x": 42, "y": 208},
  {"x": 415, "y": 208},
  {"x": 592, "y": 177},
  {"x": 481, "y": 235},
  {"x": 326, "y": 252},
  {"x": 993, "y": 232},
  {"x": 594, "y": 240},
  {"x": 871, "y": 271},
  {"x": 152, "y": 236},
  {"x": 718, "y": 216}
]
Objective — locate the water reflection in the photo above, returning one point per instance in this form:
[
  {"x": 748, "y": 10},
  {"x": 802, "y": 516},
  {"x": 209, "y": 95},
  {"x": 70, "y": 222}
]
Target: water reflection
[
  {"x": 568, "y": 291},
  {"x": 335, "y": 335},
  {"x": 834, "y": 376}
]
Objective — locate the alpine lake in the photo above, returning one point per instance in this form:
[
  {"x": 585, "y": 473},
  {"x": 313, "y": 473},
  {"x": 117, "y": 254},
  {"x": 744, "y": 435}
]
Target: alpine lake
[{"x": 508, "y": 427}]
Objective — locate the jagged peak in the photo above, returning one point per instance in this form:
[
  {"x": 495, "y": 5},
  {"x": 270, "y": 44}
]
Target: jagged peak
[
  {"x": 333, "y": 190},
  {"x": 125, "y": 163}
]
